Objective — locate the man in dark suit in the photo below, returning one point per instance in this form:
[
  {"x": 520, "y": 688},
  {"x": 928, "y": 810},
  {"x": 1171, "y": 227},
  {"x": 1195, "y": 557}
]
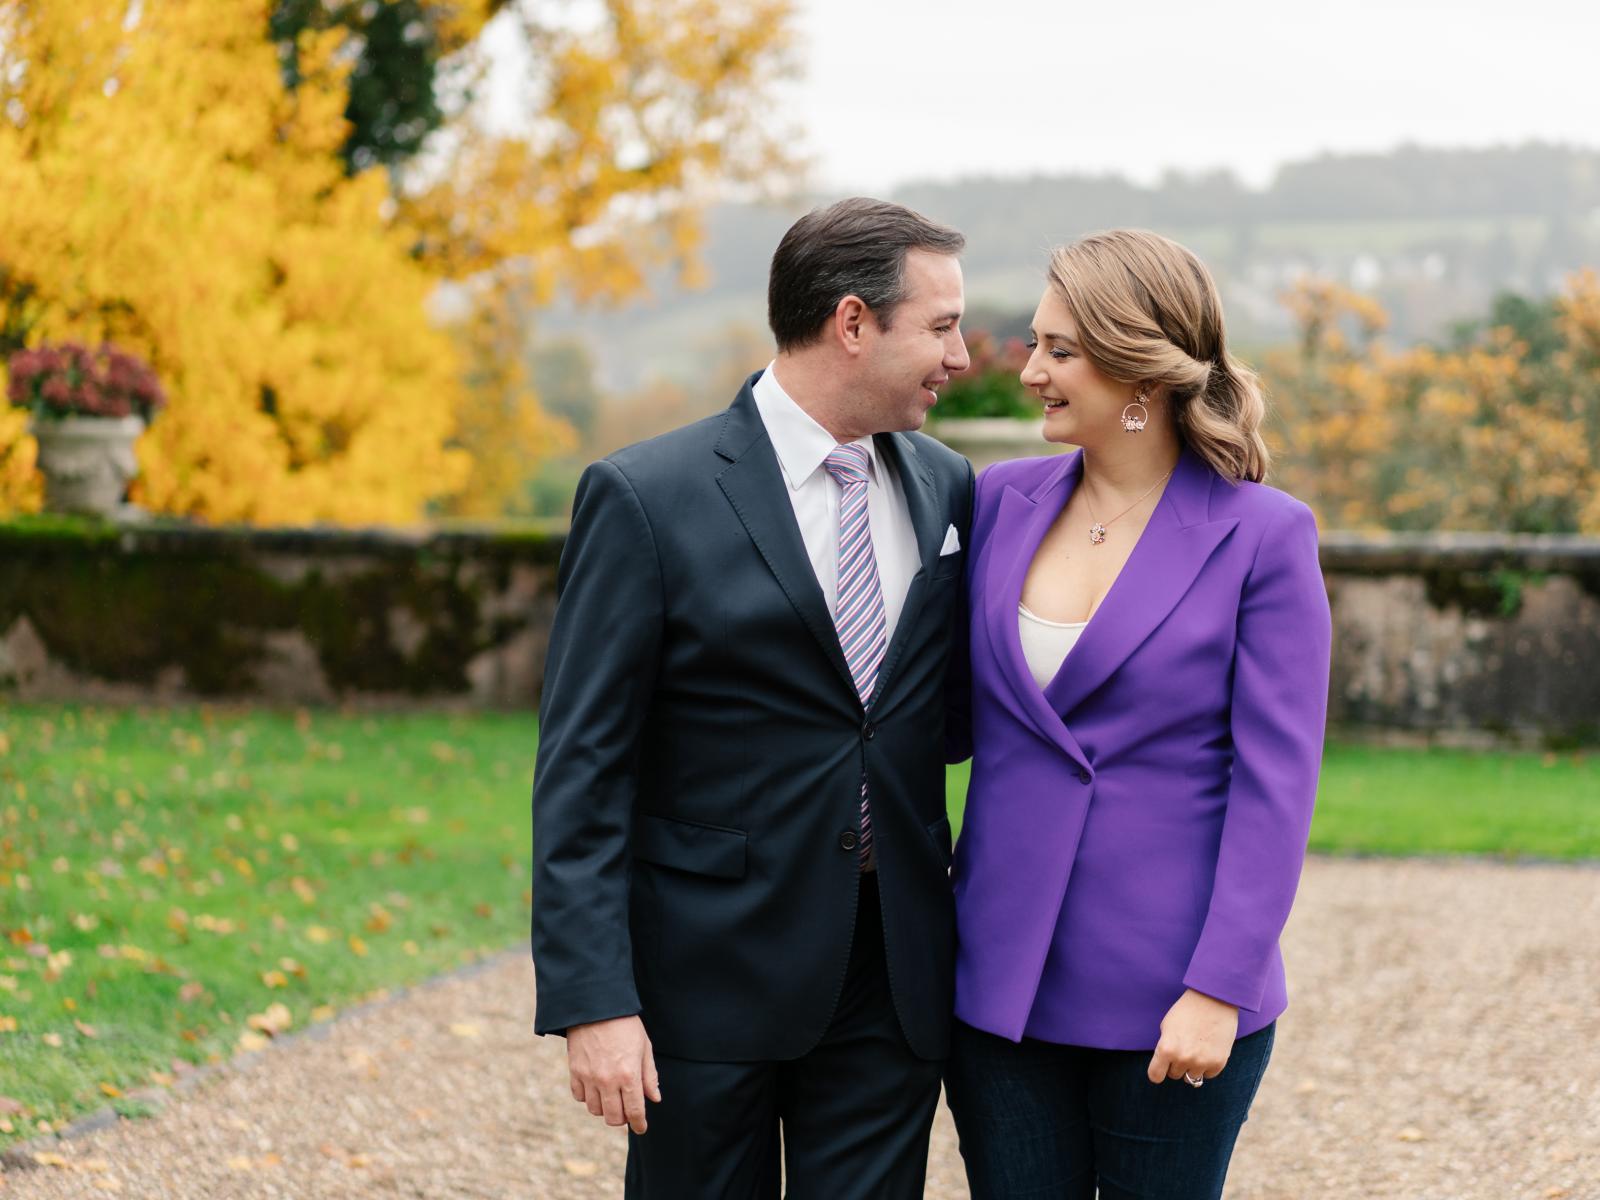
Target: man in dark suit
[{"x": 741, "y": 911}]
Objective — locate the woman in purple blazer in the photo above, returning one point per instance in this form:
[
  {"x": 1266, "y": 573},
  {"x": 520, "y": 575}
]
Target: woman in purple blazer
[{"x": 1149, "y": 657}]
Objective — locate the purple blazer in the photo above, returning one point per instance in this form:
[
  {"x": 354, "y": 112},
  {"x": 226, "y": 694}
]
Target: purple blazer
[{"x": 1138, "y": 826}]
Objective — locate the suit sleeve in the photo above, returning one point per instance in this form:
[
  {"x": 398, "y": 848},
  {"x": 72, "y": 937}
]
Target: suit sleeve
[
  {"x": 958, "y": 675},
  {"x": 1279, "y": 712},
  {"x": 599, "y": 676}
]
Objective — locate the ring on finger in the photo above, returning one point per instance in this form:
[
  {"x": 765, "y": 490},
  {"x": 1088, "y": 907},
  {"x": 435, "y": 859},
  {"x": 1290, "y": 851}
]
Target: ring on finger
[{"x": 1192, "y": 1079}]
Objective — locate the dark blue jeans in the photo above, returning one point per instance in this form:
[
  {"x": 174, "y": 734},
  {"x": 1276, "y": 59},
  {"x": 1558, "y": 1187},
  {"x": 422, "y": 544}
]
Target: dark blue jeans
[{"x": 1038, "y": 1119}]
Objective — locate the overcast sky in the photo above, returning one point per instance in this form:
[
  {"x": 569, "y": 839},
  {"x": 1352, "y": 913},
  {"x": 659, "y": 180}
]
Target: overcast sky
[{"x": 895, "y": 90}]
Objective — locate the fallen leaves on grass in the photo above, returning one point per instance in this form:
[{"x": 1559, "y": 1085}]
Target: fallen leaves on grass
[{"x": 273, "y": 1021}]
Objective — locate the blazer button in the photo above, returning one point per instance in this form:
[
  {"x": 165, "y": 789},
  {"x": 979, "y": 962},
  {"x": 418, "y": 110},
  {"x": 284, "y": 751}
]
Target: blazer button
[
  {"x": 1083, "y": 775},
  {"x": 847, "y": 840},
  {"x": 869, "y": 731}
]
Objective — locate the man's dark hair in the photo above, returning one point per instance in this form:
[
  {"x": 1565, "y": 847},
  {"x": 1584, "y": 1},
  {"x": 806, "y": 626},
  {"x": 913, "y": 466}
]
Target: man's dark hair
[{"x": 856, "y": 247}]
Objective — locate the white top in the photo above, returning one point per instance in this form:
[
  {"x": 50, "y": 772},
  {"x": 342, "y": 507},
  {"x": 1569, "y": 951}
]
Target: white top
[
  {"x": 802, "y": 445},
  {"x": 1045, "y": 644}
]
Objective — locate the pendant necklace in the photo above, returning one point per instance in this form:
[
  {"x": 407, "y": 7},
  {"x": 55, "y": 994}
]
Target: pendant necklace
[{"x": 1097, "y": 531}]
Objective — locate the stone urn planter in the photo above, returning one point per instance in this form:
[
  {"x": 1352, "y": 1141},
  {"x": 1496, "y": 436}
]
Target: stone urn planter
[
  {"x": 986, "y": 440},
  {"x": 86, "y": 462},
  {"x": 87, "y": 407}
]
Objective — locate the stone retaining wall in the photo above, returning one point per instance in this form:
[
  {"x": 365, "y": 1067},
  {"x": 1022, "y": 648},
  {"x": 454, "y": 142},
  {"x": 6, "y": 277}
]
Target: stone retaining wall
[{"x": 1456, "y": 635}]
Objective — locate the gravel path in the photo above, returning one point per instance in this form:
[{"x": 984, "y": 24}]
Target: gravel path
[{"x": 1443, "y": 1044}]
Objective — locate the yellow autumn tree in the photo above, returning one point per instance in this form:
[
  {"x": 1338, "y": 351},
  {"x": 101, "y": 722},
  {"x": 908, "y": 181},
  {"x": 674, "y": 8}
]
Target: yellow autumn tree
[
  {"x": 167, "y": 193},
  {"x": 1485, "y": 434},
  {"x": 166, "y": 190},
  {"x": 638, "y": 116}
]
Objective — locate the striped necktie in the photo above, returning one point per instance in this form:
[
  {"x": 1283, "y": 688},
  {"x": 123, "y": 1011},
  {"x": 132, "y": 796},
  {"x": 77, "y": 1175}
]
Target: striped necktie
[{"x": 858, "y": 612}]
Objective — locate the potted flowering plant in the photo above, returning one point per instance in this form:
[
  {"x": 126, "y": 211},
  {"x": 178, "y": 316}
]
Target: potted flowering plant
[
  {"x": 88, "y": 407},
  {"x": 985, "y": 413}
]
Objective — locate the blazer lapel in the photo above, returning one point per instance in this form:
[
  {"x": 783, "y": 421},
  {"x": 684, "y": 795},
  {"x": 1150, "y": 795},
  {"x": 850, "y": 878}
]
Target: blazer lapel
[
  {"x": 754, "y": 484},
  {"x": 1020, "y": 525},
  {"x": 1175, "y": 545},
  {"x": 928, "y": 523}
]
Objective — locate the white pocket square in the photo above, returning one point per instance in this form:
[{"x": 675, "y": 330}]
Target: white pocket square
[{"x": 952, "y": 542}]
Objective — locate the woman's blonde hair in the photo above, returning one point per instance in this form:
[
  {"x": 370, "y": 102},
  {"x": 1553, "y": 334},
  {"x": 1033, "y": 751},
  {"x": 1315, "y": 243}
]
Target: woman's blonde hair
[{"x": 1148, "y": 311}]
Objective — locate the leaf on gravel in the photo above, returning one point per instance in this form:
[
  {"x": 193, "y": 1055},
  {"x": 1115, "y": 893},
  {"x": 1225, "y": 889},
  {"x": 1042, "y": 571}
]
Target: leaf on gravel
[
  {"x": 250, "y": 1041},
  {"x": 581, "y": 1167},
  {"x": 1411, "y": 1134},
  {"x": 240, "y": 1162},
  {"x": 108, "y": 1183},
  {"x": 357, "y": 1161},
  {"x": 323, "y": 1012},
  {"x": 49, "y": 1158},
  {"x": 464, "y": 1030}
]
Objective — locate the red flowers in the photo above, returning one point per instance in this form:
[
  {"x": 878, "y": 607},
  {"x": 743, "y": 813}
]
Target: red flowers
[{"x": 70, "y": 380}]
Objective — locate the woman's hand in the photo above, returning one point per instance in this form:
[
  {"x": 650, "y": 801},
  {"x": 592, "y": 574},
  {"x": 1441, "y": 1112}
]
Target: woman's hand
[{"x": 1197, "y": 1035}]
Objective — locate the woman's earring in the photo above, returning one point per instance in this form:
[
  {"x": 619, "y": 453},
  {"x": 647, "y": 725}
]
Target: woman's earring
[{"x": 1135, "y": 422}]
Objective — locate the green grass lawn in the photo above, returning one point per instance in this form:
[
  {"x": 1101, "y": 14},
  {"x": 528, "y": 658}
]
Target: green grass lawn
[
  {"x": 166, "y": 877},
  {"x": 175, "y": 885}
]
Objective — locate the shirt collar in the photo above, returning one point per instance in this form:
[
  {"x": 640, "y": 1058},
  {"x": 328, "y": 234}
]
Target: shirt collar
[{"x": 800, "y": 443}]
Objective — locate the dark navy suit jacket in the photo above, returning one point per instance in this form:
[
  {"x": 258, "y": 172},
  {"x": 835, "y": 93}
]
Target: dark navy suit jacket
[{"x": 696, "y": 796}]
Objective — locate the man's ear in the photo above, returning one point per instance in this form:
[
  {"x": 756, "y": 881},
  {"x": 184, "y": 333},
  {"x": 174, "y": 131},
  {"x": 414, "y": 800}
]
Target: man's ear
[{"x": 849, "y": 320}]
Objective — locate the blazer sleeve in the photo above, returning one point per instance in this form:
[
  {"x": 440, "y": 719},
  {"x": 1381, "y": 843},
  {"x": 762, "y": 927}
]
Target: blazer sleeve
[
  {"x": 1279, "y": 712},
  {"x": 599, "y": 676}
]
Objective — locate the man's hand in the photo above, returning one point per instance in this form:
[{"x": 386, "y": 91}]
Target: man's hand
[
  {"x": 613, "y": 1070},
  {"x": 1197, "y": 1037}
]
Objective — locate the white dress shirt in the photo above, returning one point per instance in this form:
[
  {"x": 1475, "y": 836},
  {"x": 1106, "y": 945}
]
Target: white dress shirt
[{"x": 802, "y": 445}]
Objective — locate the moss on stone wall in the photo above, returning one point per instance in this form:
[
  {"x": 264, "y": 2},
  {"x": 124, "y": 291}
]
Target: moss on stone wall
[{"x": 382, "y": 613}]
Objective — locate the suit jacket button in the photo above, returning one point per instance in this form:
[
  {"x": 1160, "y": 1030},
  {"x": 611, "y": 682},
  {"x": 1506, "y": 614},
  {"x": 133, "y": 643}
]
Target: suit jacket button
[
  {"x": 847, "y": 840},
  {"x": 869, "y": 731},
  {"x": 1083, "y": 776}
]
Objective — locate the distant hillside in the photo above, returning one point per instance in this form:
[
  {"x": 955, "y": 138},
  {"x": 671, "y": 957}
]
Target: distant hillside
[{"x": 1433, "y": 234}]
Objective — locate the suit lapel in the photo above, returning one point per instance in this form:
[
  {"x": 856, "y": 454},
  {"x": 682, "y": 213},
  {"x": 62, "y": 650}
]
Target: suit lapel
[
  {"x": 1176, "y": 543},
  {"x": 928, "y": 523},
  {"x": 1020, "y": 525},
  {"x": 753, "y": 483}
]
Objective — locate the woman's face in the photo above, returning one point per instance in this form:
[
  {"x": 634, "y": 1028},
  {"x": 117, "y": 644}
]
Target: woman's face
[{"x": 1082, "y": 405}]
